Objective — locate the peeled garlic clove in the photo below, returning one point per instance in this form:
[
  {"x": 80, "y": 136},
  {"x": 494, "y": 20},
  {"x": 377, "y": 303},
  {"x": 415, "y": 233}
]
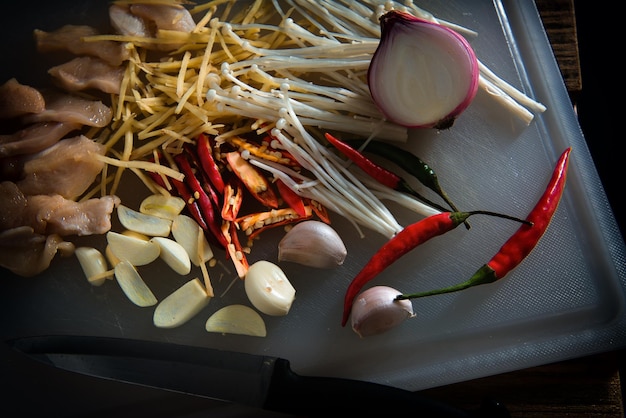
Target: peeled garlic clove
[
  {"x": 174, "y": 255},
  {"x": 143, "y": 223},
  {"x": 166, "y": 207},
  {"x": 93, "y": 263},
  {"x": 190, "y": 235},
  {"x": 112, "y": 258},
  {"x": 237, "y": 319},
  {"x": 137, "y": 251},
  {"x": 376, "y": 311},
  {"x": 313, "y": 244},
  {"x": 133, "y": 285},
  {"x": 181, "y": 305},
  {"x": 268, "y": 289}
]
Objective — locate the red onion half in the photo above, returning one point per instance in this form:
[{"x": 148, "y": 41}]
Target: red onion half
[{"x": 422, "y": 74}]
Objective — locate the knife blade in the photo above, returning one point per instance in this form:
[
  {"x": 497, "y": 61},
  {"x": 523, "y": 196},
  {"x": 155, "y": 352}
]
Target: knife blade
[{"x": 252, "y": 380}]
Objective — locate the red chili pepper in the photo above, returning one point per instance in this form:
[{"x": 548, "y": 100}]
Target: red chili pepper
[
  {"x": 233, "y": 198},
  {"x": 522, "y": 242},
  {"x": 206, "y": 206},
  {"x": 192, "y": 204},
  {"x": 183, "y": 192},
  {"x": 206, "y": 182},
  {"x": 378, "y": 173},
  {"x": 403, "y": 242},
  {"x": 293, "y": 200},
  {"x": 208, "y": 164}
]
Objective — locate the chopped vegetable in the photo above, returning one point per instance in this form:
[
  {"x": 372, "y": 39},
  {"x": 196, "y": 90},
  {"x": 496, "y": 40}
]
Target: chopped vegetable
[
  {"x": 143, "y": 223},
  {"x": 133, "y": 285},
  {"x": 136, "y": 251},
  {"x": 94, "y": 265},
  {"x": 181, "y": 305},
  {"x": 237, "y": 319},
  {"x": 174, "y": 255}
]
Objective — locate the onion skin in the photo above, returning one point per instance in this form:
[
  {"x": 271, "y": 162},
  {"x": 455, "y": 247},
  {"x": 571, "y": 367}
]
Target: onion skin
[
  {"x": 375, "y": 311},
  {"x": 422, "y": 100}
]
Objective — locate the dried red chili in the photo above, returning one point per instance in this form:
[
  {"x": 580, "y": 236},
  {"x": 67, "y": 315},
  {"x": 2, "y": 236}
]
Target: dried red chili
[
  {"x": 208, "y": 164},
  {"x": 522, "y": 242},
  {"x": 206, "y": 206},
  {"x": 181, "y": 190},
  {"x": 404, "y": 241}
]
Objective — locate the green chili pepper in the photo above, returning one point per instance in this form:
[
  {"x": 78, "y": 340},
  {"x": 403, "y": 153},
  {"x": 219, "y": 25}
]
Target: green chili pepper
[{"x": 407, "y": 161}]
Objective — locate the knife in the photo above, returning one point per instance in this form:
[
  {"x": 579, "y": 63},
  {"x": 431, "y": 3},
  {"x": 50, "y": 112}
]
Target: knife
[{"x": 257, "y": 381}]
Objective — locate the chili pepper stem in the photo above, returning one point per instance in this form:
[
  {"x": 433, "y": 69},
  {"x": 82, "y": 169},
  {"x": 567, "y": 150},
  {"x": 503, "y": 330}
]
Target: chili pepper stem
[
  {"x": 484, "y": 275},
  {"x": 500, "y": 215}
]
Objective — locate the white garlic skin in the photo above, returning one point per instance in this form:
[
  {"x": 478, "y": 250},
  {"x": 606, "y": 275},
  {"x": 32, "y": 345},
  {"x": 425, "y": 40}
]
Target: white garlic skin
[
  {"x": 313, "y": 244},
  {"x": 375, "y": 311},
  {"x": 268, "y": 288}
]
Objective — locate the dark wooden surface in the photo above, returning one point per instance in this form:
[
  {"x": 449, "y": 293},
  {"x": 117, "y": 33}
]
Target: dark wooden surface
[{"x": 584, "y": 387}]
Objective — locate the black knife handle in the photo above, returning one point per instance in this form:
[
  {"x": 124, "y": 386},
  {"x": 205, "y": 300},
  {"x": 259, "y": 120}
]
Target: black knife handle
[{"x": 312, "y": 396}]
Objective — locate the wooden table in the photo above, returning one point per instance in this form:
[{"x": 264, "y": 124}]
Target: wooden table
[{"x": 585, "y": 387}]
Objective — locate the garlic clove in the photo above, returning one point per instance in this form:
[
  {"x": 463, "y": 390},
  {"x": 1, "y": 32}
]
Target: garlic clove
[
  {"x": 190, "y": 235},
  {"x": 376, "y": 311},
  {"x": 237, "y": 319},
  {"x": 422, "y": 74},
  {"x": 268, "y": 289},
  {"x": 137, "y": 251},
  {"x": 181, "y": 305},
  {"x": 166, "y": 207},
  {"x": 174, "y": 255},
  {"x": 112, "y": 258},
  {"x": 93, "y": 264},
  {"x": 143, "y": 223},
  {"x": 314, "y": 244},
  {"x": 133, "y": 285}
]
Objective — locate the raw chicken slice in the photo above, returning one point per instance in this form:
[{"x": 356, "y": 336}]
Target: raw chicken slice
[
  {"x": 67, "y": 168},
  {"x": 57, "y": 215},
  {"x": 70, "y": 108},
  {"x": 158, "y": 17},
  {"x": 35, "y": 138},
  {"x": 168, "y": 17},
  {"x": 125, "y": 23},
  {"x": 35, "y": 257},
  {"x": 17, "y": 99},
  {"x": 85, "y": 73},
  {"x": 12, "y": 206},
  {"x": 70, "y": 38}
]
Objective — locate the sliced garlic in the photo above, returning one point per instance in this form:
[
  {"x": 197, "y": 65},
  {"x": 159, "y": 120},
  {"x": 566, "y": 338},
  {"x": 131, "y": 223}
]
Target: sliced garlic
[
  {"x": 181, "y": 305},
  {"x": 189, "y": 234},
  {"x": 313, "y": 244},
  {"x": 133, "y": 285},
  {"x": 112, "y": 258},
  {"x": 237, "y": 319},
  {"x": 268, "y": 289},
  {"x": 174, "y": 255},
  {"x": 93, "y": 263},
  {"x": 143, "y": 223},
  {"x": 166, "y": 207},
  {"x": 376, "y": 311},
  {"x": 137, "y": 251}
]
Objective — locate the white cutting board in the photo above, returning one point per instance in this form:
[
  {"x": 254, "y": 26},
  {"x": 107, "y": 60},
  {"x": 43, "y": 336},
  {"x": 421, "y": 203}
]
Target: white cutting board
[{"x": 566, "y": 300}]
